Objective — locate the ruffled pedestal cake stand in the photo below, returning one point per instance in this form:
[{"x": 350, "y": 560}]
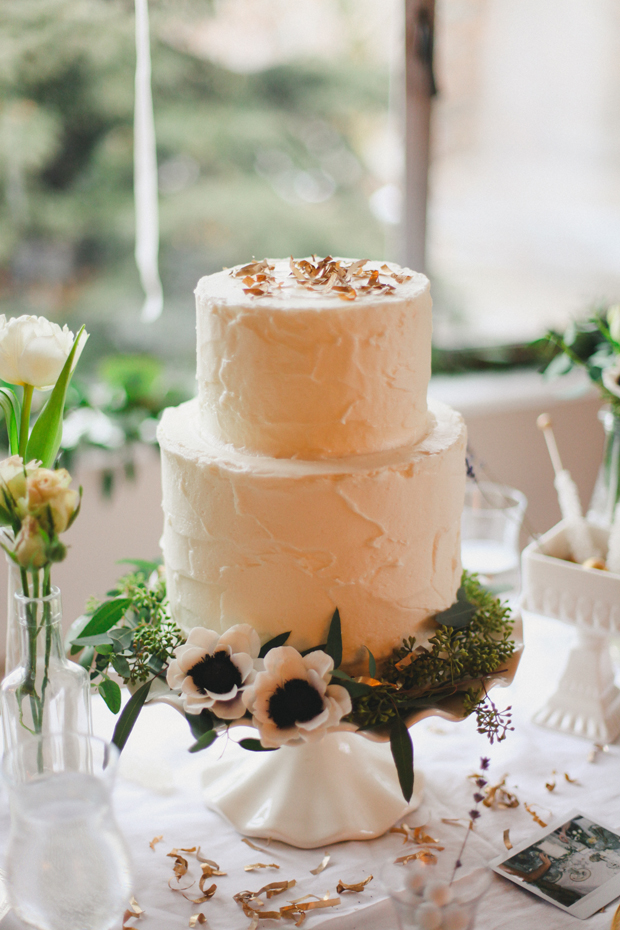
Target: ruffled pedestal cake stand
[{"x": 343, "y": 787}]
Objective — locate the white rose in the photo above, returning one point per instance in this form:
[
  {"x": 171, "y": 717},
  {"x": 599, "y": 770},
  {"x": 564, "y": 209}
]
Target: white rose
[
  {"x": 48, "y": 492},
  {"x": 30, "y": 547},
  {"x": 611, "y": 378},
  {"x": 13, "y": 476},
  {"x": 33, "y": 350}
]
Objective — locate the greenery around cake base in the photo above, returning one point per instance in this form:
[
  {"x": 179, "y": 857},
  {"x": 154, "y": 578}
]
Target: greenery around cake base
[{"x": 132, "y": 634}]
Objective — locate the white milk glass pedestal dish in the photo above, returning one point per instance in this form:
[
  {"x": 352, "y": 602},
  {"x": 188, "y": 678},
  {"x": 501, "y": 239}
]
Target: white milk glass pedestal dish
[
  {"x": 490, "y": 527},
  {"x": 67, "y": 867}
]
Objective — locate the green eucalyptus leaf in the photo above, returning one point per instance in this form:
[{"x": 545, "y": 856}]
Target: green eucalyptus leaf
[
  {"x": 200, "y": 723},
  {"x": 355, "y": 688},
  {"x": 105, "y": 649},
  {"x": 560, "y": 365},
  {"x": 10, "y": 406},
  {"x": 205, "y": 740},
  {"x": 121, "y": 666},
  {"x": 100, "y": 639},
  {"x": 105, "y": 617},
  {"x": 46, "y": 434},
  {"x": 402, "y": 753},
  {"x": 155, "y": 664},
  {"x": 144, "y": 566},
  {"x": 458, "y": 615},
  {"x": 372, "y": 664},
  {"x": 86, "y": 659},
  {"x": 130, "y": 714},
  {"x": 255, "y": 745},
  {"x": 122, "y": 638},
  {"x": 278, "y": 640},
  {"x": 111, "y": 694},
  {"x": 333, "y": 646}
]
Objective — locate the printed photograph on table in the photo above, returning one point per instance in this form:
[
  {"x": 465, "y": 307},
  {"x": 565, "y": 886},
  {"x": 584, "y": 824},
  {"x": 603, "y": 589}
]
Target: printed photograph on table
[{"x": 574, "y": 864}]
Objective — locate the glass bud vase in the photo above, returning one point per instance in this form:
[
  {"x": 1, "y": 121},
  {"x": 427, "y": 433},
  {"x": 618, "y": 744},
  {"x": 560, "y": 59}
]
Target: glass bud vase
[
  {"x": 12, "y": 626},
  {"x": 46, "y": 693},
  {"x": 607, "y": 488}
]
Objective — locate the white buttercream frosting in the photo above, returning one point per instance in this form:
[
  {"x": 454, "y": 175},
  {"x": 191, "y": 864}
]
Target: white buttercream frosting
[
  {"x": 299, "y": 373},
  {"x": 280, "y": 543}
]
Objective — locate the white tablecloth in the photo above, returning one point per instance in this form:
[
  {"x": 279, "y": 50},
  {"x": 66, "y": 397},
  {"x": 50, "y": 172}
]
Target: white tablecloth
[{"x": 158, "y": 792}]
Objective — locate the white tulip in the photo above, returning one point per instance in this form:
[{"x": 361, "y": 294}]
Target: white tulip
[{"x": 33, "y": 350}]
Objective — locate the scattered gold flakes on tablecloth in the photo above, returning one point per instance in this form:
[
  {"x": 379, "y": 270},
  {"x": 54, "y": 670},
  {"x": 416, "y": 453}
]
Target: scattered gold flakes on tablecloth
[
  {"x": 134, "y": 910},
  {"x": 155, "y": 841},
  {"x": 197, "y": 919},
  {"x": 534, "y": 815},
  {"x": 615, "y": 920},
  {"x": 416, "y": 835},
  {"x": 424, "y": 855},
  {"x": 260, "y": 865},
  {"x": 321, "y": 866},
  {"x": 356, "y": 886},
  {"x": 507, "y": 842},
  {"x": 571, "y": 781},
  {"x": 252, "y": 845},
  {"x": 550, "y": 785},
  {"x": 499, "y": 796}
]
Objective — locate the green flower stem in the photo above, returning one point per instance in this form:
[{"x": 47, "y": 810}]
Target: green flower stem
[
  {"x": 25, "y": 419},
  {"x": 47, "y": 618}
]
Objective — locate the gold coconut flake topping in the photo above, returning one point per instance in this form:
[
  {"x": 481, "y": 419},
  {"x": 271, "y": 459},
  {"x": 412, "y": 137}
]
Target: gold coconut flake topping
[{"x": 324, "y": 276}]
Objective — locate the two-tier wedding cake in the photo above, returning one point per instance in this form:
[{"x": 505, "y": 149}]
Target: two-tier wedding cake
[{"x": 310, "y": 473}]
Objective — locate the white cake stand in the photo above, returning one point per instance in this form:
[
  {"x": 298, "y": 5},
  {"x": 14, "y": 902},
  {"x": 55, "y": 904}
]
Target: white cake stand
[{"x": 343, "y": 787}]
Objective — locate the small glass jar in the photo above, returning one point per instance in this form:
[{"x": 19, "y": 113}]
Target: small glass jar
[
  {"x": 607, "y": 488},
  {"x": 45, "y": 693}
]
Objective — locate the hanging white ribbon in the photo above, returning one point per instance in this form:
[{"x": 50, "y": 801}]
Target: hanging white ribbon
[{"x": 145, "y": 172}]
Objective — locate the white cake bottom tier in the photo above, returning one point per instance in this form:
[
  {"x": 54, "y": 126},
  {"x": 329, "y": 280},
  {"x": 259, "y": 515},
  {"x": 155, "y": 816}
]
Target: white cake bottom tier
[{"x": 280, "y": 543}]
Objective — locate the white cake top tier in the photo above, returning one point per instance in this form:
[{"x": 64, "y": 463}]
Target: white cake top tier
[{"x": 314, "y": 359}]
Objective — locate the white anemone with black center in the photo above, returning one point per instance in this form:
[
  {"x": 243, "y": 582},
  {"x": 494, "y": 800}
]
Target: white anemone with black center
[
  {"x": 212, "y": 671},
  {"x": 292, "y": 701}
]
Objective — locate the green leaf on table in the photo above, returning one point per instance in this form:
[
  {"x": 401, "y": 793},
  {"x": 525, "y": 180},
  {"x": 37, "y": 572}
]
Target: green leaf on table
[
  {"x": 111, "y": 694},
  {"x": 130, "y": 714},
  {"x": 278, "y": 640},
  {"x": 333, "y": 646},
  {"x": 355, "y": 688},
  {"x": 200, "y": 723},
  {"x": 372, "y": 663},
  {"x": 46, "y": 434},
  {"x": 458, "y": 615},
  {"x": 9, "y": 405},
  {"x": 255, "y": 745},
  {"x": 205, "y": 740},
  {"x": 155, "y": 664},
  {"x": 103, "y": 619},
  {"x": 402, "y": 753}
]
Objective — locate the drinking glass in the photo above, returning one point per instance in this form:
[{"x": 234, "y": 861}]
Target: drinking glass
[
  {"x": 67, "y": 866},
  {"x": 428, "y": 896},
  {"x": 490, "y": 527}
]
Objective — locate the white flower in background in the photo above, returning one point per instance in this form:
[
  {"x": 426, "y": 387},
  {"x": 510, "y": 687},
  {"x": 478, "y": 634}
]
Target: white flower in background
[
  {"x": 613, "y": 321},
  {"x": 611, "y": 378},
  {"x": 33, "y": 350},
  {"x": 292, "y": 700},
  {"x": 212, "y": 671}
]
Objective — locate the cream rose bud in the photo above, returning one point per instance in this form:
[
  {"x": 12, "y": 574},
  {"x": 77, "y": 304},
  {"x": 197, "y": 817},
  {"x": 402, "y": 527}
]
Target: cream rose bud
[
  {"x": 34, "y": 351},
  {"x": 30, "y": 546},
  {"x": 50, "y": 489},
  {"x": 13, "y": 475}
]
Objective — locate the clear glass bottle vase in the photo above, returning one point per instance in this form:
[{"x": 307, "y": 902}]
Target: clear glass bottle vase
[
  {"x": 607, "y": 488},
  {"x": 46, "y": 692}
]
